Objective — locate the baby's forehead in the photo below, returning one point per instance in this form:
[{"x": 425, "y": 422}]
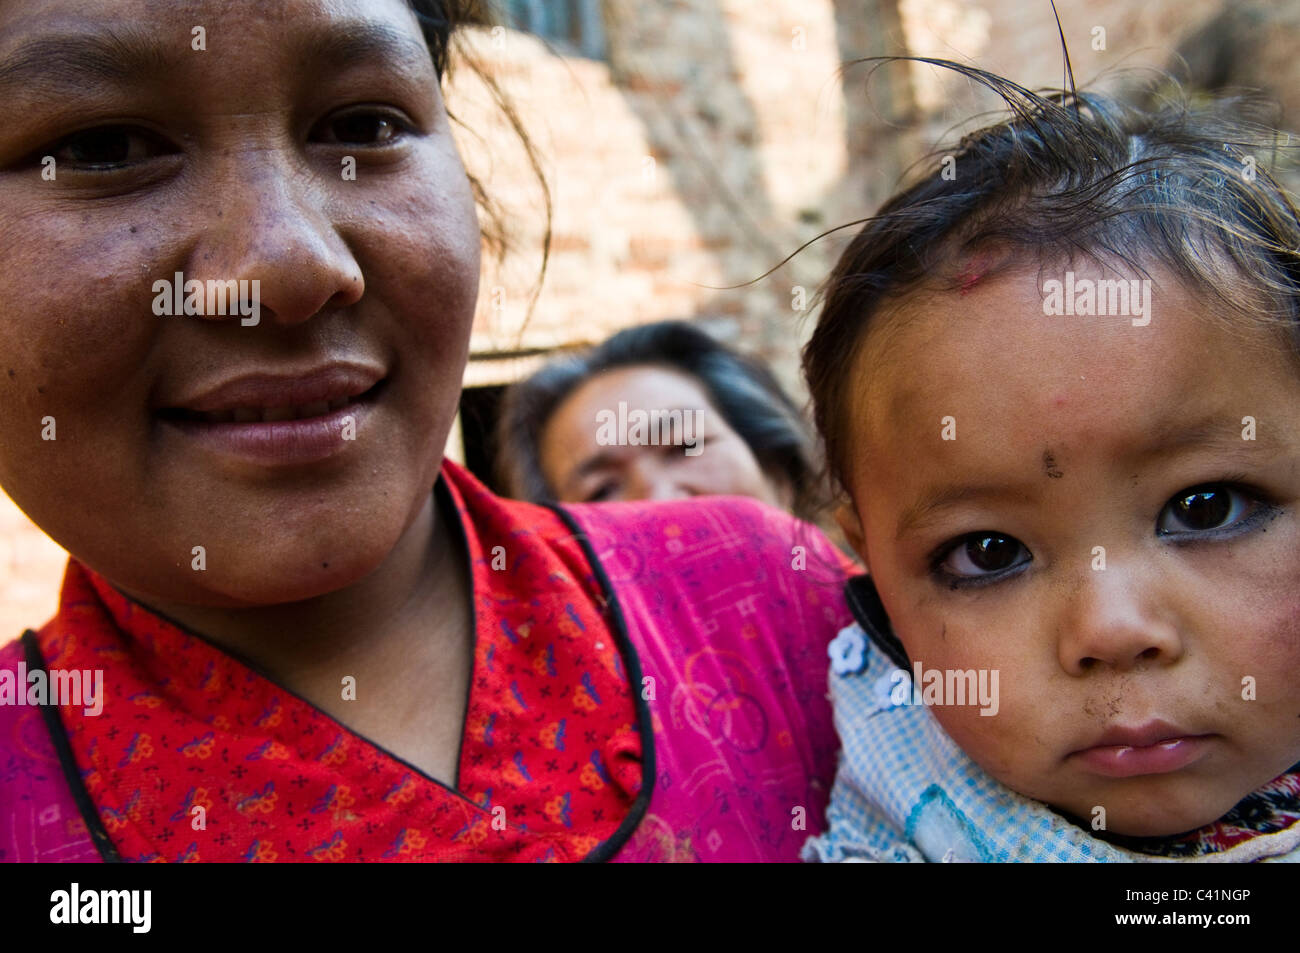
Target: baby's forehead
[{"x": 988, "y": 351}]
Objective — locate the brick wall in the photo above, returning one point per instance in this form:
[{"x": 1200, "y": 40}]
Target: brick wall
[
  {"x": 31, "y": 567},
  {"x": 720, "y": 135}
]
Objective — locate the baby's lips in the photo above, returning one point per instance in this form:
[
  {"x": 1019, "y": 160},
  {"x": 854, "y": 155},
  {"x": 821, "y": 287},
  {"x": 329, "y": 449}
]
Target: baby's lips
[
  {"x": 1163, "y": 757},
  {"x": 1145, "y": 735}
]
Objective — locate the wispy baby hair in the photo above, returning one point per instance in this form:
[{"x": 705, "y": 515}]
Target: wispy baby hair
[{"x": 1188, "y": 184}]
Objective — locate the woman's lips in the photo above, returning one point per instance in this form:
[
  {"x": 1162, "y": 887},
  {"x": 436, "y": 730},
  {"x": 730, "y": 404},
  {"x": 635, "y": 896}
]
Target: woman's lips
[
  {"x": 1155, "y": 748},
  {"x": 280, "y": 388},
  {"x": 275, "y": 432},
  {"x": 256, "y": 414}
]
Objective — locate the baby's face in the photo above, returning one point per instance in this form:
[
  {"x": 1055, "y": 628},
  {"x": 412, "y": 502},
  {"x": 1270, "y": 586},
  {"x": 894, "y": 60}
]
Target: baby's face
[
  {"x": 302, "y": 144},
  {"x": 1099, "y": 532}
]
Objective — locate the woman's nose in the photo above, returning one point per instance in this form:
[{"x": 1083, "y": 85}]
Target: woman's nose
[
  {"x": 274, "y": 226},
  {"x": 1117, "y": 617},
  {"x": 668, "y": 491},
  {"x": 651, "y": 480}
]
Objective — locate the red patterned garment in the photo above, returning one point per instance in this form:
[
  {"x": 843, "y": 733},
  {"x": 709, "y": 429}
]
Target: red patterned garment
[{"x": 550, "y": 761}]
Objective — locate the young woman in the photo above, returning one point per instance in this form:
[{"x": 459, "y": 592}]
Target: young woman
[{"x": 296, "y": 632}]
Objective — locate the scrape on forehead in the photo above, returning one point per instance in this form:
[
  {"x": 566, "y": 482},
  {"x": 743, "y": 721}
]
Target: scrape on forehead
[{"x": 990, "y": 357}]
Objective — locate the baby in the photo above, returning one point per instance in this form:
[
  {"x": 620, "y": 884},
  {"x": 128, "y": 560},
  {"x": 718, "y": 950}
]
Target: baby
[{"x": 1059, "y": 383}]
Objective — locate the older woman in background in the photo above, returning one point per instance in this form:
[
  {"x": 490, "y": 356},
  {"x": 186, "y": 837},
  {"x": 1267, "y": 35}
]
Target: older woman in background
[{"x": 556, "y": 427}]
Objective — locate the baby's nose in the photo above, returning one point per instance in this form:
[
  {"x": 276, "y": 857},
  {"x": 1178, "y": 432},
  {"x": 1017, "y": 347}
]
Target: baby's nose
[{"x": 1117, "y": 619}]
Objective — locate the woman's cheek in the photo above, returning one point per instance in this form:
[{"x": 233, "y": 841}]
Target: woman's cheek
[
  {"x": 429, "y": 278},
  {"x": 76, "y": 309},
  {"x": 728, "y": 468},
  {"x": 76, "y": 329},
  {"x": 424, "y": 228}
]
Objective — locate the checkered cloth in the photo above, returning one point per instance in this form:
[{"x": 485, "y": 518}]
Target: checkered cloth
[{"x": 905, "y": 791}]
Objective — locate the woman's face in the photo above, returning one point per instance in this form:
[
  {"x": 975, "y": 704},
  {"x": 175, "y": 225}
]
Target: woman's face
[
  {"x": 301, "y": 144},
  {"x": 592, "y": 451}
]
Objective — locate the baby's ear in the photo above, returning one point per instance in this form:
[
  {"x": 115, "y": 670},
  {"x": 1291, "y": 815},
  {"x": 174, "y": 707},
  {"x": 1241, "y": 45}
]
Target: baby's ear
[{"x": 847, "y": 518}]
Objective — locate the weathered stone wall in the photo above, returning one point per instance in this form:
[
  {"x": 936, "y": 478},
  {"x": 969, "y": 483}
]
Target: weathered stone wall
[
  {"x": 721, "y": 135},
  {"x": 694, "y": 160},
  {"x": 31, "y": 568}
]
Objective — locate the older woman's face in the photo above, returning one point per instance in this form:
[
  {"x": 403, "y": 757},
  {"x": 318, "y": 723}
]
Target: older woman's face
[
  {"x": 593, "y": 450},
  {"x": 301, "y": 144}
]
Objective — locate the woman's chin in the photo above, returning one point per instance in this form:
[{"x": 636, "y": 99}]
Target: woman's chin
[
  {"x": 282, "y": 585},
  {"x": 256, "y": 583},
  {"x": 261, "y": 559}
]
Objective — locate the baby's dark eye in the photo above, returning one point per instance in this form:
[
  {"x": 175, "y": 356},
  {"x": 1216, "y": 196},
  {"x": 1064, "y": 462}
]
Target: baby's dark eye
[
  {"x": 982, "y": 554},
  {"x": 1203, "y": 508},
  {"x": 107, "y": 148},
  {"x": 361, "y": 129}
]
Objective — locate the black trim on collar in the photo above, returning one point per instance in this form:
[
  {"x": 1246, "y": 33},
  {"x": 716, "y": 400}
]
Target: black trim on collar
[
  {"x": 869, "y": 612},
  {"x": 262, "y": 673},
  {"x": 446, "y": 508},
  {"x": 607, "y": 849},
  {"x": 59, "y": 738}
]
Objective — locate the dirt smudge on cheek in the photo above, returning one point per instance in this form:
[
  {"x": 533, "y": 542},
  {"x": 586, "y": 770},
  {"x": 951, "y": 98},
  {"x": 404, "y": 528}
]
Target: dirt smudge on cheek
[{"x": 1105, "y": 704}]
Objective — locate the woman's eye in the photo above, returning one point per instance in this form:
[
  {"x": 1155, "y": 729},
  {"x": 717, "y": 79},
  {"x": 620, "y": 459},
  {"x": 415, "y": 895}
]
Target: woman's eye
[
  {"x": 602, "y": 492},
  {"x": 675, "y": 451},
  {"x": 362, "y": 129},
  {"x": 108, "y": 147},
  {"x": 983, "y": 554},
  {"x": 1203, "y": 508}
]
